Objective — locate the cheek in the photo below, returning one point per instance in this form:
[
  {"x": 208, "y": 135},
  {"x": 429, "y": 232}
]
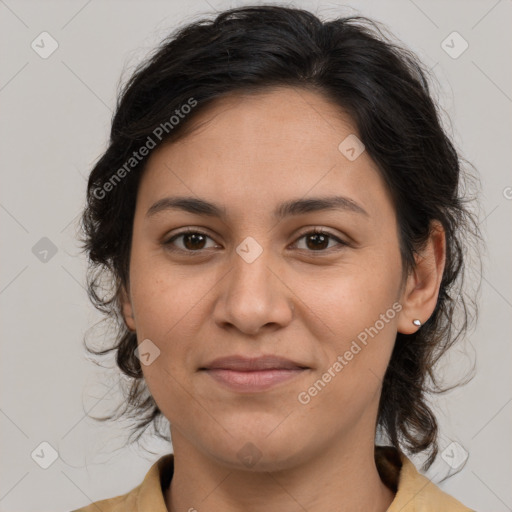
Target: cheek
[
  {"x": 170, "y": 305},
  {"x": 358, "y": 307},
  {"x": 164, "y": 295},
  {"x": 351, "y": 296},
  {"x": 167, "y": 313}
]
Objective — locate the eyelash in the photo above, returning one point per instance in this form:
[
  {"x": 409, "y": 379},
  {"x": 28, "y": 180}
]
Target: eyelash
[{"x": 169, "y": 243}]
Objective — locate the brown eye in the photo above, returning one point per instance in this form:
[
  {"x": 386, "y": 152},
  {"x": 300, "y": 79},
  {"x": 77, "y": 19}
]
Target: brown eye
[
  {"x": 191, "y": 241},
  {"x": 318, "y": 241},
  {"x": 194, "y": 241}
]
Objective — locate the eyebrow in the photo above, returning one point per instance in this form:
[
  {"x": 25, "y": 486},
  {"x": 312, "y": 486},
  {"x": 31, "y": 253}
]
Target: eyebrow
[{"x": 286, "y": 209}]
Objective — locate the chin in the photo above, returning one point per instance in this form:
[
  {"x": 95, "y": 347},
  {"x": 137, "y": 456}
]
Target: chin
[
  {"x": 256, "y": 450},
  {"x": 251, "y": 458}
]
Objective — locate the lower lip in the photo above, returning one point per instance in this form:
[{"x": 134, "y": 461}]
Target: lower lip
[{"x": 252, "y": 381}]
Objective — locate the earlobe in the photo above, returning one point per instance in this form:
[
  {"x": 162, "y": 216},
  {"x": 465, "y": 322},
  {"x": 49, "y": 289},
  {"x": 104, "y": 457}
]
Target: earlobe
[
  {"x": 127, "y": 309},
  {"x": 420, "y": 294}
]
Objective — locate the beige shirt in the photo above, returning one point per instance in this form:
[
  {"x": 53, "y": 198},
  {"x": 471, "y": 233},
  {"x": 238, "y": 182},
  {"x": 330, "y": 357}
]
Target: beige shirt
[{"x": 413, "y": 491}]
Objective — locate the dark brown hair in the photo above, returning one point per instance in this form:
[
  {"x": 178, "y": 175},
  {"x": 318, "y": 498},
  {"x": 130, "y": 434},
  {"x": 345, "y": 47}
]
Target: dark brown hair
[{"x": 385, "y": 90}]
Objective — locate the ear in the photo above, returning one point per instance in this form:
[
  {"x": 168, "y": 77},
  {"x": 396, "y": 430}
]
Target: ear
[
  {"x": 419, "y": 296},
  {"x": 126, "y": 308}
]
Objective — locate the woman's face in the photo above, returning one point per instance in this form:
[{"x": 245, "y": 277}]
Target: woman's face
[{"x": 254, "y": 281}]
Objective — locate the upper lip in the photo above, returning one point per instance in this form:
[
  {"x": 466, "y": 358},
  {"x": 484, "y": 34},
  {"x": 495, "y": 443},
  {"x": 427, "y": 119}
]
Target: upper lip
[{"x": 247, "y": 364}]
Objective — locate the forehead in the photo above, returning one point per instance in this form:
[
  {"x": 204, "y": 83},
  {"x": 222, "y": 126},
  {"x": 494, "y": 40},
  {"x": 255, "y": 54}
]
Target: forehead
[
  {"x": 255, "y": 150},
  {"x": 279, "y": 122}
]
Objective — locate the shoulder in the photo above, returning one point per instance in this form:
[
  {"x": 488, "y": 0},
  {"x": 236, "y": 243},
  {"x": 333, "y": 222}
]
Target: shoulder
[
  {"x": 125, "y": 502},
  {"x": 416, "y": 493},
  {"x": 147, "y": 496}
]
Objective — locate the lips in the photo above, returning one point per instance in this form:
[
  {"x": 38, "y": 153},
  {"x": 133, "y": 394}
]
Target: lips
[
  {"x": 247, "y": 364},
  {"x": 249, "y": 375}
]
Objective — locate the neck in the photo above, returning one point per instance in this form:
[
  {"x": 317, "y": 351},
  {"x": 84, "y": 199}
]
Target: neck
[{"x": 340, "y": 479}]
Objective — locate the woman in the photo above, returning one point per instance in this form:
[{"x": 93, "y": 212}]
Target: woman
[{"x": 279, "y": 210}]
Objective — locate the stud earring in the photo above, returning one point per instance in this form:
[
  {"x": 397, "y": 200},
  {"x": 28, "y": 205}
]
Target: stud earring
[{"x": 417, "y": 323}]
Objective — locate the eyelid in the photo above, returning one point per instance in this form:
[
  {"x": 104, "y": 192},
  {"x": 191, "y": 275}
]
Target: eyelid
[
  {"x": 168, "y": 240},
  {"x": 322, "y": 231}
]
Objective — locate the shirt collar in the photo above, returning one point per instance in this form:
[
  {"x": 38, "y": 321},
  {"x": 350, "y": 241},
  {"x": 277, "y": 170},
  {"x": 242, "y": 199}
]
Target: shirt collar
[{"x": 414, "y": 492}]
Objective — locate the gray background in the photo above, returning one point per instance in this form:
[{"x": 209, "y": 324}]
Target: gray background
[{"x": 54, "y": 123}]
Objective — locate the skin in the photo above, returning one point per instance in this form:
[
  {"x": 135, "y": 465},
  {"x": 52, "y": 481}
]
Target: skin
[{"x": 249, "y": 154}]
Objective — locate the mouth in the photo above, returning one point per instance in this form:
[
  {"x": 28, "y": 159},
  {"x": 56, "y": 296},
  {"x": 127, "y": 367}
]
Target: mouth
[{"x": 249, "y": 375}]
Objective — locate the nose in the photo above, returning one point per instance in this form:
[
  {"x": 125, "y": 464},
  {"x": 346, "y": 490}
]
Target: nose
[{"x": 254, "y": 296}]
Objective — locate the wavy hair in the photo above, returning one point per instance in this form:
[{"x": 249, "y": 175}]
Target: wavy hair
[{"x": 384, "y": 88}]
